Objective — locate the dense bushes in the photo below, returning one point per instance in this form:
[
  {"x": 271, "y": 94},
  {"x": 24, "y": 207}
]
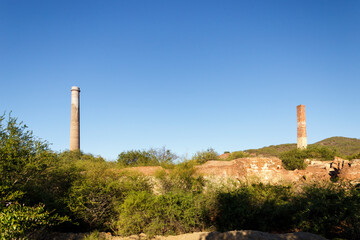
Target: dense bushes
[
  {"x": 257, "y": 206},
  {"x": 181, "y": 178},
  {"x": 328, "y": 210},
  {"x": 294, "y": 159},
  {"x": 171, "y": 213},
  {"x": 23, "y": 160},
  {"x": 178, "y": 208},
  {"x": 152, "y": 157},
  {"x": 354, "y": 156},
  {"x": 94, "y": 197},
  {"x": 22, "y": 156},
  {"x": 237, "y": 154},
  {"x": 40, "y": 188},
  {"x": 204, "y": 156}
]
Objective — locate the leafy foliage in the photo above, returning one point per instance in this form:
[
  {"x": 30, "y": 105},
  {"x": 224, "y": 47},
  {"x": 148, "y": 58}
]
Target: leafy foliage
[
  {"x": 181, "y": 178},
  {"x": 23, "y": 160},
  {"x": 16, "y": 220},
  {"x": 354, "y": 156},
  {"x": 22, "y": 156},
  {"x": 294, "y": 159},
  {"x": 346, "y": 146},
  {"x": 152, "y": 157},
  {"x": 237, "y": 154},
  {"x": 258, "y": 206},
  {"x": 273, "y": 150},
  {"x": 37, "y": 186},
  {"x": 329, "y": 210},
  {"x": 204, "y": 156},
  {"x": 94, "y": 197},
  {"x": 172, "y": 213}
]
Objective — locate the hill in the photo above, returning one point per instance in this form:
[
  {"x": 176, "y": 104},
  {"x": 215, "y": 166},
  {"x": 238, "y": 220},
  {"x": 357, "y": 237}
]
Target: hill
[{"x": 345, "y": 146}]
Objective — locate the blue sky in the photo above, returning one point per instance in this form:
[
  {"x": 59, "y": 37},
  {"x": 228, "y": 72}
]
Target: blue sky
[{"x": 187, "y": 75}]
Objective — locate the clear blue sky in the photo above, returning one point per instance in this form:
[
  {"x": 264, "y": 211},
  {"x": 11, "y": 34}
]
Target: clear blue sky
[{"x": 185, "y": 74}]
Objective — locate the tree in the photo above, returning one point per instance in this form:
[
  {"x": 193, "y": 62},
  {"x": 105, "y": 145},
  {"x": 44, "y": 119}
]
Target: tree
[
  {"x": 151, "y": 157},
  {"x": 23, "y": 159},
  {"x": 22, "y": 156},
  {"x": 204, "y": 156}
]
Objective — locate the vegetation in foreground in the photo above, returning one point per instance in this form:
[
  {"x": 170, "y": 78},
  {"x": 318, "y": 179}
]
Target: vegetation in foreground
[{"x": 71, "y": 191}]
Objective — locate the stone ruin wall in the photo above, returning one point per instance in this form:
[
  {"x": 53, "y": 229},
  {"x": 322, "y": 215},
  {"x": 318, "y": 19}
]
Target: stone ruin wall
[{"x": 269, "y": 170}]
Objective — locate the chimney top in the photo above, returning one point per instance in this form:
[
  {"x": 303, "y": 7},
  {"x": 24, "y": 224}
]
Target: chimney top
[{"x": 75, "y": 88}]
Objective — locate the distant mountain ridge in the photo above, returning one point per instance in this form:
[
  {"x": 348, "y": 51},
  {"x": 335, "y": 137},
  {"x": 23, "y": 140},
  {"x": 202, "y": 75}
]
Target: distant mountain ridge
[{"x": 345, "y": 146}]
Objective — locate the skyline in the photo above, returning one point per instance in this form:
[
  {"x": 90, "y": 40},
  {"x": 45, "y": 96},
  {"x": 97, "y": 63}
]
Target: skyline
[{"x": 184, "y": 75}]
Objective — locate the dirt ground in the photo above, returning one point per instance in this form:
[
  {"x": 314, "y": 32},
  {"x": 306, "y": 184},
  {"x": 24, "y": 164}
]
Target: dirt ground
[{"x": 231, "y": 235}]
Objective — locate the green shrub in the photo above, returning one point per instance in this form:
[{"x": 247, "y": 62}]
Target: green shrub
[
  {"x": 258, "y": 207},
  {"x": 53, "y": 185},
  {"x": 321, "y": 152},
  {"x": 237, "y": 154},
  {"x": 152, "y": 157},
  {"x": 24, "y": 162},
  {"x": 181, "y": 178},
  {"x": 18, "y": 220},
  {"x": 204, "y": 156},
  {"x": 22, "y": 156},
  {"x": 294, "y": 159},
  {"x": 354, "y": 156},
  {"x": 76, "y": 155},
  {"x": 93, "y": 198},
  {"x": 171, "y": 213},
  {"x": 330, "y": 210}
]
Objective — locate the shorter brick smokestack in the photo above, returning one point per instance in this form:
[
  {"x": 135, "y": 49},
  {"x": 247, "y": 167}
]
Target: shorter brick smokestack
[{"x": 301, "y": 127}]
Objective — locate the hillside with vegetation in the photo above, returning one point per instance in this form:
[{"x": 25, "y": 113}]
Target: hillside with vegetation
[
  {"x": 345, "y": 147},
  {"x": 42, "y": 191}
]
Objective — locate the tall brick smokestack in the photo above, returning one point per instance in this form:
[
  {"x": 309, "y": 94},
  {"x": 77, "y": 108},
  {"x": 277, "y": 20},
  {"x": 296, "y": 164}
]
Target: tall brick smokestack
[
  {"x": 75, "y": 119},
  {"x": 301, "y": 127}
]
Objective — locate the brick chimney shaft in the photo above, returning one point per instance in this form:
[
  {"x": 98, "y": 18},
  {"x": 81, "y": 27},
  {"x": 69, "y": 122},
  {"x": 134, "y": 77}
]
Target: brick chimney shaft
[{"x": 301, "y": 127}]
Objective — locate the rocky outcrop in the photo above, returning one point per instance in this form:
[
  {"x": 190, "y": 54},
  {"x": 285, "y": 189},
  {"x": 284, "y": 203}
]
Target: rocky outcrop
[
  {"x": 270, "y": 170},
  {"x": 351, "y": 171},
  {"x": 262, "y": 169}
]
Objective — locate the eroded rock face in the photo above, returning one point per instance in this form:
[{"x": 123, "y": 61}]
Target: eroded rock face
[
  {"x": 270, "y": 170},
  {"x": 267, "y": 170},
  {"x": 351, "y": 171}
]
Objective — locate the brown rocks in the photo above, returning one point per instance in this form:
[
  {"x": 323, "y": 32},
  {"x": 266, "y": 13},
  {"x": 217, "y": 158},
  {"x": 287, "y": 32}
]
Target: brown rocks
[
  {"x": 267, "y": 170},
  {"x": 351, "y": 171},
  {"x": 224, "y": 156}
]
